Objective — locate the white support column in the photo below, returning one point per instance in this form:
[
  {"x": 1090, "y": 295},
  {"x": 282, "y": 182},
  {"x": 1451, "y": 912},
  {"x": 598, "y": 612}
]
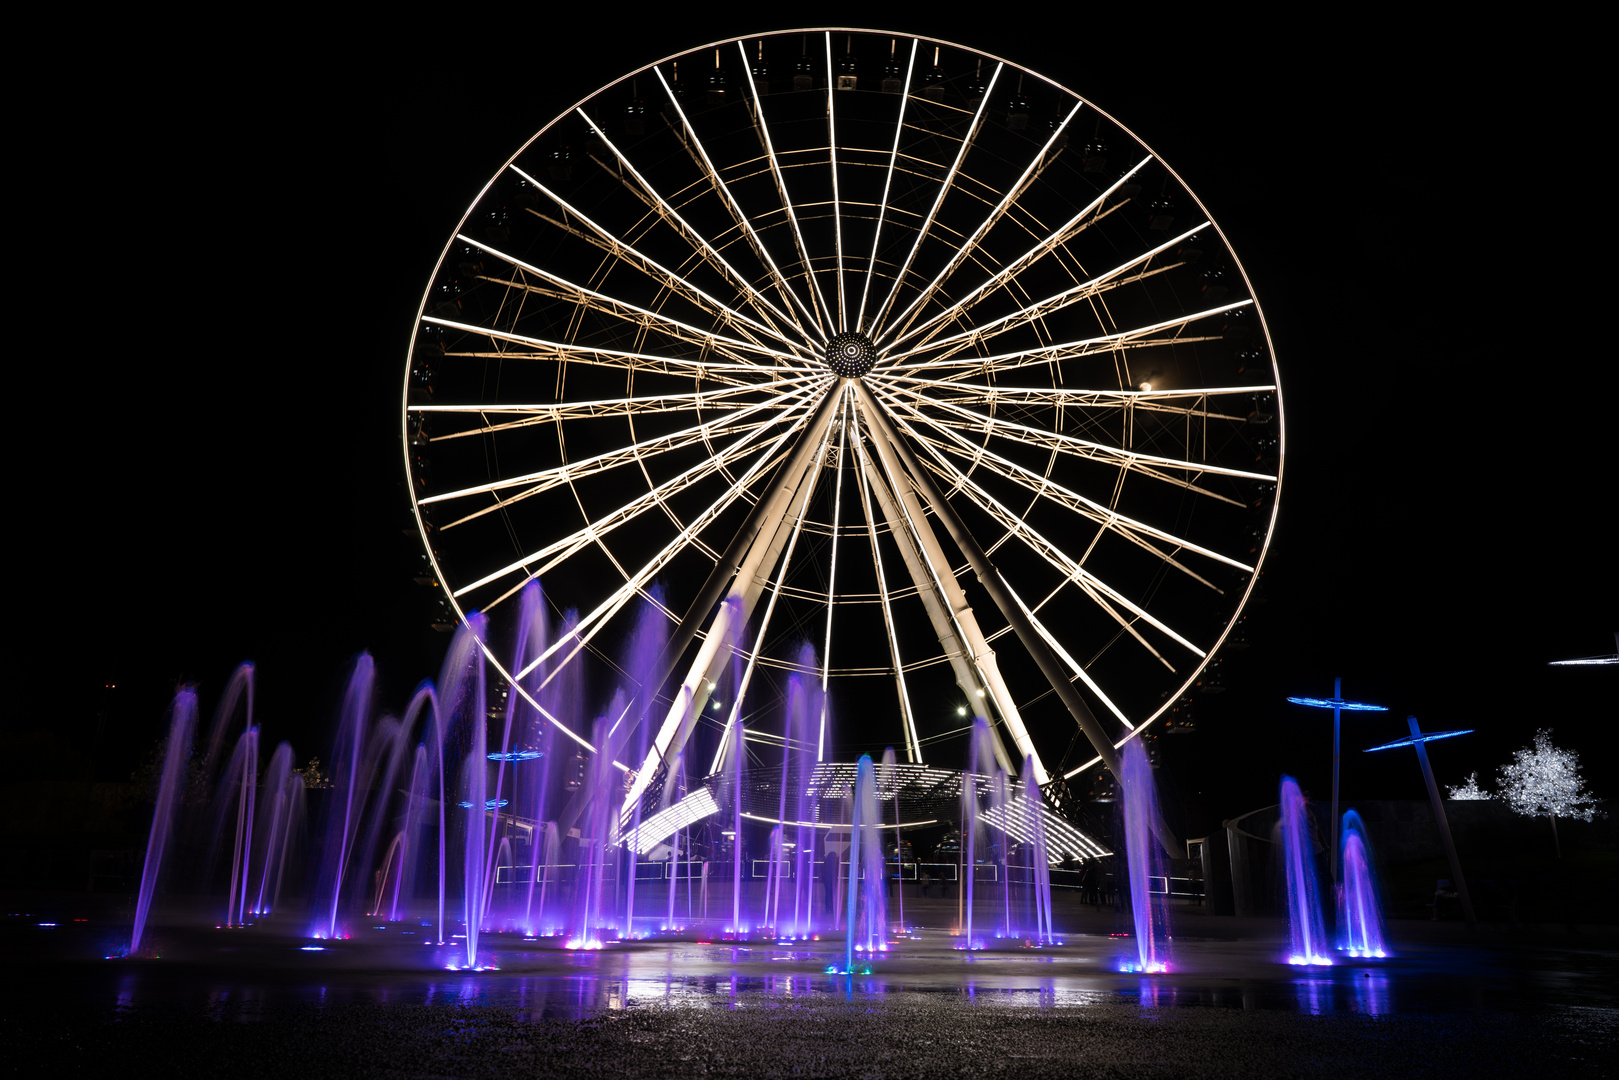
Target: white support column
[
  {"x": 913, "y": 745},
  {"x": 970, "y": 655},
  {"x": 990, "y": 578},
  {"x": 733, "y": 614}
]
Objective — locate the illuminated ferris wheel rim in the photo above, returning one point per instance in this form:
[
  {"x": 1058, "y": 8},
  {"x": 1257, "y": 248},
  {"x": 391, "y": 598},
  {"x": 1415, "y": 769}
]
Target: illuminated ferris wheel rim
[{"x": 802, "y": 364}]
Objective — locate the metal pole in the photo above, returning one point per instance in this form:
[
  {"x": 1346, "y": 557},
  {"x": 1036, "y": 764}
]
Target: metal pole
[
  {"x": 1444, "y": 826},
  {"x": 1337, "y": 700}
]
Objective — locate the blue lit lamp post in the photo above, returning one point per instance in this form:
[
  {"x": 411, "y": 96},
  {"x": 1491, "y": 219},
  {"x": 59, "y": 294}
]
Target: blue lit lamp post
[
  {"x": 1418, "y": 739},
  {"x": 1337, "y": 704}
]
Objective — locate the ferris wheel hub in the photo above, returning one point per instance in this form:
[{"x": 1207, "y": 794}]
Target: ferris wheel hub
[{"x": 850, "y": 355}]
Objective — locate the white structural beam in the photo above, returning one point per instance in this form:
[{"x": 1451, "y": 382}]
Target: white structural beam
[
  {"x": 602, "y": 237},
  {"x": 990, "y": 578},
  {"x": 832, "y": 572},
  {"x": 913, "y": 744},
  {"x": 1123, "y": 525},
  {"x": 933, "y": 211},
  {"x": 888, "y": 184},
  {"x": 1103, "y": 595},
  {"x": 1072, "y": 444},
  {"x": 699, "y": 243},
  {"x": 755, "y": 585},
  {"x": 970, "y": 245},
  {"x": 781, "y": 183},
  {"x": 740, "y": 561},
  {"x": 973, "y": 659},
  {"x": 739, "y": 349},
  {"x": 558, "y": 550},
  {"x": 529, "y": 415},
  {"x": 724, "y": 191},
  {"x": 1074, "y": 294},
  {"x": 842, "y": 321},
  {"x": 574, "y": 471},
  {"x": 1059, "y": 236}
]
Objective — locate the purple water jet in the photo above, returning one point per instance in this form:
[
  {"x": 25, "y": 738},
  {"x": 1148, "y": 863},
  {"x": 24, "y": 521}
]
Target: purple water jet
[
  {"x": 1307, "y": 940},
  {"x": 1360, "y": 915},
  {"x": 177, "y": 751},
  {"x": 866, "y": 916},
  {"x": 1040, "y": 859},
  {"x": 1144, "y": 856}
]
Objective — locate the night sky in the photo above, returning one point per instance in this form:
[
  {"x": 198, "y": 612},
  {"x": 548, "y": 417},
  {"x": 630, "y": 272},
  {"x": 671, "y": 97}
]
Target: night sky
[{"x": 1412, "y": 220}]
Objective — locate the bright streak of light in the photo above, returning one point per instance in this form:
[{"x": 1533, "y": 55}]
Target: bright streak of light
[{"x": 1412, "y": 740}]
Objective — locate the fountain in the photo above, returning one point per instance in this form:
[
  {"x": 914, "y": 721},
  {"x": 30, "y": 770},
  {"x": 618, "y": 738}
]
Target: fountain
[
  {"x": 1360, "y": 915},
  {"x": 1307, "y": 940},
  {"x": 480, "y": 811},
  {"x": 1145, "y": 860},
  {"x": 170, "y": 788}
]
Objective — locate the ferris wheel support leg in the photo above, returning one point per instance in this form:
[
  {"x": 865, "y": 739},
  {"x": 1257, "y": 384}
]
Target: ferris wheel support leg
[
  {"x": 740, "y": 561},
  {"x": 990, "y": 578},
  {"x": 946, "y": 604},
  {"x": 913, "y": 744}
]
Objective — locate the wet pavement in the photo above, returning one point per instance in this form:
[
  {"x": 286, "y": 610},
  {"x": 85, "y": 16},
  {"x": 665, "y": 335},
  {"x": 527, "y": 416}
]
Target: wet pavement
[{"x": 256, "y": 1003}]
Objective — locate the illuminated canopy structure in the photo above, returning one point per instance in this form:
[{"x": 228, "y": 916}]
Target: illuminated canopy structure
[
  {"x": 1592, "y": 661},
  {"x": 908, "y": 797},
  {"x": 897, "y": 347}
]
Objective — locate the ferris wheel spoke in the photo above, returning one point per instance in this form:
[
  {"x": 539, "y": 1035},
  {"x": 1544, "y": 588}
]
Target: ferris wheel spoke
[
  {"x": 536, "y": 483},
  {"x": 1120, "y": 524},
  {"x": 761, "y": 636},
  {"x": 1062, "y": 654},
  {"x": 781, "y": 182},
  {"x": 557, "y": 412},
  {"x": 832, "y": 573},
  {"x": 743, "y": 222},
  {"x": 557, "y": 551},
  {"x": 1055, "y": 440},
  {"x": 913, "y": 745},
  {"x": 1086, "y": 218},
  {"x": 737, "y": 348},
  {"x": 1047, "y": 357},
  {"x": 970, "y": 245},
  {"x": 955, "y": 624},
  {"x": 693, "y": 237},
  {"x": 603, "y": 238},
  {"x": 1098, "y": 590},
  {"x": 888, "y": 184},
  {"x": 927, "y": 223},
  {"x": 753, "y": 546},
  {"x": 837, "y": 212},
  {"x": 1085, "y": 290},
  {"x": 965, "y": 393},
  {"x": 662, "y": 363}
]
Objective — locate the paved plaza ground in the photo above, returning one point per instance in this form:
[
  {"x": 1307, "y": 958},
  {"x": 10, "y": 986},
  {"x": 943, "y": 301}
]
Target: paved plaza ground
[{"x": 1525, "y": 1001}]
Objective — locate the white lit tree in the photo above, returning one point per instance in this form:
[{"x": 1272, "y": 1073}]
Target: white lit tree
[
  {"x": 1545, "y": 781},
  {"x": 1468, "y": 792}
]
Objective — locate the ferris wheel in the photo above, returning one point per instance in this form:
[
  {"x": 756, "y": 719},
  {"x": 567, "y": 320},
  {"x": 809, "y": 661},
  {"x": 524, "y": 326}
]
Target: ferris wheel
[{"x": 861, "y": 340}]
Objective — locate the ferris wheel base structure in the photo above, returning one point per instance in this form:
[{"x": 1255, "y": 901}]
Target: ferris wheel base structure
[{"x": 909, "y": 797}]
